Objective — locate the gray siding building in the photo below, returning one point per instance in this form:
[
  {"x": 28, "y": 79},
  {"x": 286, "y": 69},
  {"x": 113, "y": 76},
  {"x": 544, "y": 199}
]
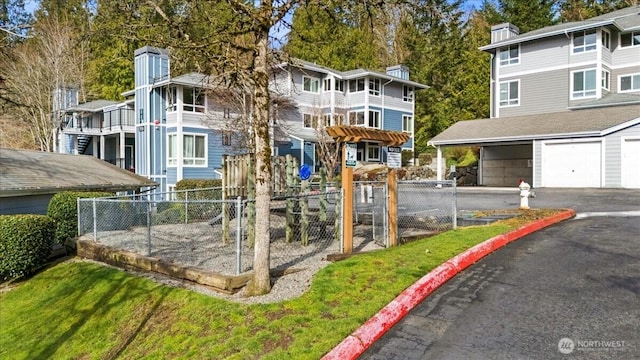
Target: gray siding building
[{"x": 565, "y": 106}]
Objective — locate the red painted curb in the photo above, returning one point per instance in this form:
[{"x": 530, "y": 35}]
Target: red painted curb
[{"x": 363, "y": 337}]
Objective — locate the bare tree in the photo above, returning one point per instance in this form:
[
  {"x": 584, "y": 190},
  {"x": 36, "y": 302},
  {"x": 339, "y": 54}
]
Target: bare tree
[{"x": 49, "y": 61}]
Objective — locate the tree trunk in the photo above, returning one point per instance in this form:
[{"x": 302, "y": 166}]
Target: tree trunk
[{"x": 261, "y": 282}]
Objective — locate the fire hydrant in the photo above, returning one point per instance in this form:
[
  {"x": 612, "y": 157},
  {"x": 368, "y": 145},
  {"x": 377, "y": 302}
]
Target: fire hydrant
[{"x": 524, "y": 194}]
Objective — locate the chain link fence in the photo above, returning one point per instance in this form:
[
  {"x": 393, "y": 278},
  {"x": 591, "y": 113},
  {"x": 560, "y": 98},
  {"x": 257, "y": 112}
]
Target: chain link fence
[
  {"x": 370, "y": 214},
  {"x": 212, "y": 234},
  {"x": 426, "y": 207}
]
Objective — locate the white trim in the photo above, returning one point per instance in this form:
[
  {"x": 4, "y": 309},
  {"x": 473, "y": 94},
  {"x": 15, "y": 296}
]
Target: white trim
[
  {"x": 571, "y": 82},
  {"x": 371, "y": 145},
  {"x": 630, "y": 46},
  {"x": 623, "y": 66},
  {"x": 509, "y": 59},
  {"x": 584, "y": 46},
  {"x": 549, "y": 69},
  {"x": 601, "y": 35},
  {"x": 543, "y": 145},
  {"x": 206, "y": 151},
  {"x": 632, "y": 75},
  {"x": 518, "y": 99},
  {"x": 623, "y": 141},
  {"x": 608, "y": 83},
  {"x": 310, "y": 85}
]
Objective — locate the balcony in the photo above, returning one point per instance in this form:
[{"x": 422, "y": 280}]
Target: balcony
[{"x": 108, "y": 121}]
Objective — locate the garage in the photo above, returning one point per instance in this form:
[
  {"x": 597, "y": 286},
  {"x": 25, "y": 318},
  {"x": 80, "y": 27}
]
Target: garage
[
  {"x": 504, "y": 165},
  {"x": 631, "y": 163},
  {"x": 572, "y": 164}
]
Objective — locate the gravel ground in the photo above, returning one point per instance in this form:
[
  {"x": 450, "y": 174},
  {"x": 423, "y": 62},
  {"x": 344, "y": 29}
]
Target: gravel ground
[{"x": 307, "y": 259}]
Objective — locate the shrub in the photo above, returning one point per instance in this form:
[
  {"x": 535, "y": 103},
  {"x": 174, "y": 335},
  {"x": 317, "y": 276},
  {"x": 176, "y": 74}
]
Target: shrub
[
  {"x": 469, "y": 159},
  {"x": 407, "y": 156},
  {"x": 425, "y": 158},
  {"x": 171, "y": 214},
  {"x": 191, "y": 184},
  {"x": 25, "y": 243},
  {"x": 63, "y": 210}
]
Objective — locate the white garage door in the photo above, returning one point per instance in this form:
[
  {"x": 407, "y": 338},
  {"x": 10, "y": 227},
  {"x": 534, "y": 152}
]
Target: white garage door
[
  {"x": 576, "y": 164},
  {"x": 631, "y": 163}
]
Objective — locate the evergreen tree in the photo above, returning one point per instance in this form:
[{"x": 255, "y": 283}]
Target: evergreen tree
[
  {"x": 527, "y": 15},
  {"x": 578, "y": 10}
]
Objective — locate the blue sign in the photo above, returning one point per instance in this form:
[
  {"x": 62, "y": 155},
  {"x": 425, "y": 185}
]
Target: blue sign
[{"x": 305, "y": 172}]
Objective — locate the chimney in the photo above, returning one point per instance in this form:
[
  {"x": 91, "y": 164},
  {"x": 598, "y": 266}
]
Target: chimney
[
  {"x": 503, "y": 31},
  {"x": 399, "y": 71}
]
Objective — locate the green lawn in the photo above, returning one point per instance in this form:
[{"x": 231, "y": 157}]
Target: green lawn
[{"x": 80, "y": 310}]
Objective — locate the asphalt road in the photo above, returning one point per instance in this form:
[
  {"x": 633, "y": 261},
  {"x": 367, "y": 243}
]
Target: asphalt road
[{"x": 577, "y": 280}]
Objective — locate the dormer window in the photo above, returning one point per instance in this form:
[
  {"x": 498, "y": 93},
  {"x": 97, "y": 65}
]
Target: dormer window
[
  {"x": 510, "y": 55},
  {"x": 584, "y": 41}
]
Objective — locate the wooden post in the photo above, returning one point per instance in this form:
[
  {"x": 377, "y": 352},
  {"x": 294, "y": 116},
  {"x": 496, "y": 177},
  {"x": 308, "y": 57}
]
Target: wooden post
[
  {"x": 347, "y": 211},
  {"x": 393, "y": 207},
  {"x": 290, "y": 221}
]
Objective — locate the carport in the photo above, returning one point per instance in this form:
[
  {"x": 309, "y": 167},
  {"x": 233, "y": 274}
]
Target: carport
[{"x": 595, "y": 147}]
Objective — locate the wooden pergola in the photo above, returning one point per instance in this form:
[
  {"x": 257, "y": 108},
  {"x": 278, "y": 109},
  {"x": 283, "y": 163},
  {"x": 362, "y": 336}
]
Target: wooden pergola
[{"x": 355, "y": 134}]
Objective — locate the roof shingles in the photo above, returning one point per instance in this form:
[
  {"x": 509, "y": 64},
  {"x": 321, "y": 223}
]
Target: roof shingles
[{"x": 586, "y": 122}]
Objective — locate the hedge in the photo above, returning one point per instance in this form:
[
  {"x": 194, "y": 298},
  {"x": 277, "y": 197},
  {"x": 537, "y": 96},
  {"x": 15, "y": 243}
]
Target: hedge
[
  {"x": 191, "y": 184},
  {"x": 63, "y": 210},
  {"x": 25, "y": 243}
]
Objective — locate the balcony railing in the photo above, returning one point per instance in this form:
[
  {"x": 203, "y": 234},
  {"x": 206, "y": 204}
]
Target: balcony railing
[{"x": 110, "y": 120}]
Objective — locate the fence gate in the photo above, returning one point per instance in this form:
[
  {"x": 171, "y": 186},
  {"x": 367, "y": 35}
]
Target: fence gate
[{"x": 370, "y": 215}]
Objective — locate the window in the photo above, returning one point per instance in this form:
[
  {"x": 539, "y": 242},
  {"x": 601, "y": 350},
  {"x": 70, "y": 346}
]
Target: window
[
  {"x": 310, "y": 121},
  {"x": 630, "y": 39},
  {"x": 311, "y": 85},
  {"x": 584, "y": 41},
  {"x": 172, "y": 99},
  {"x": 226, "y": 139},
  {"x": 407, "y": 93},
  {"x": 171, "y": 192},
  {"x": 226, "y": 113},
  {"x": 606, "y": 80},
  {"x": 193, "y": 150},
  {"x": 326, "y": 120},
  {"x": 374, "y": 119},
  {"x": 338, "y": 85},
  {"x": 326, "y": 84},
  {"x": 510, "y": 55},
  {"x": 630, "y": 82},
  {"x": 509, "y": 93},
  {"x": 407, "y": 123},
  {"x": 192, "y": 99},
  {"x": 374, "y": 87},
  {"x": 584, "y": 84},
  {"x": 373, "y": 152},
  {"x": 356, "y": 85},
  {"x": 356, "y": 118},
  {"x": 606, "y": 40},
  {"x": 172, "y": 156},
  {"x": 338, "y": 119}
]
